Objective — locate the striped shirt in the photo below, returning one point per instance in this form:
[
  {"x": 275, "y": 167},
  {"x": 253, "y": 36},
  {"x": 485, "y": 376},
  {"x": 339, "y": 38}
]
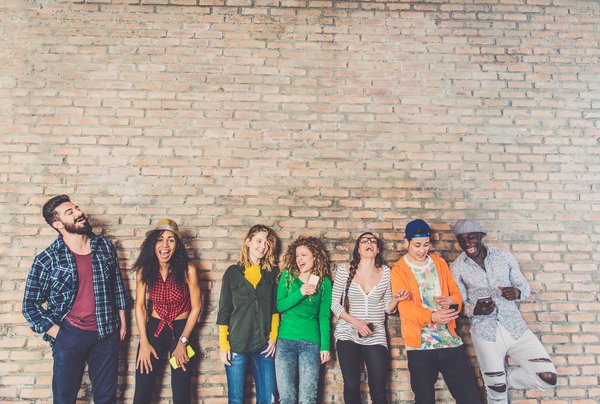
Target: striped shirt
[
  {"x": 370, "y": 307},
  {"x": 53, "y": 281}
]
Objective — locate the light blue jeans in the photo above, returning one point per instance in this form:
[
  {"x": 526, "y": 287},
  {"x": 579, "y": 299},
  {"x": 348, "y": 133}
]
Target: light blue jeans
[
  {"x": 263, "y": 370},
  {"x": 293, "y": 359}
]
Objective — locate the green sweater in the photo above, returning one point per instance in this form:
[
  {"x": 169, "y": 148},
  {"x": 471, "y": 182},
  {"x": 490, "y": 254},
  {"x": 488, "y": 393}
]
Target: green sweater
[{"x": 304, "y": 318}]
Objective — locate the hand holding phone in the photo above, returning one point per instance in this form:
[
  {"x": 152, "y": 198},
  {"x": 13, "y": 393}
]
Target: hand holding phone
[
  {"x": 310, "y": 287},
  {"x": 484, "y": 306},
  {"x": 371, "y": 327},
  {"x": 313, "y": 280},
  {"x": 190, "y": 352}
]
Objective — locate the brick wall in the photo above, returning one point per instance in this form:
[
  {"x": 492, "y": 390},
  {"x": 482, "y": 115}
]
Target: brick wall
[{"x": 313, "y": 117}]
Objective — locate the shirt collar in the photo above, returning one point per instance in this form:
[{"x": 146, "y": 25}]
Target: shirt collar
[
  {"x": 59, "y": 243},
  {"x": 467, "y": 259}
]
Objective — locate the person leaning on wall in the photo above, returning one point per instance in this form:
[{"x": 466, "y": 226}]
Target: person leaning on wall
[
  {"x": 75, "y": 296},
  {"x": 304, "y": 299},
  {"x": 248, "y": 319},
  {"x": 491, "y": 284},
  {"x": 428, "y": 320},
  {"x": 361, "y": 298},
  {"x": 166, "y": 278}
]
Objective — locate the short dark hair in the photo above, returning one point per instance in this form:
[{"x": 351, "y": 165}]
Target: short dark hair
[{"x": 49, "y": 209}]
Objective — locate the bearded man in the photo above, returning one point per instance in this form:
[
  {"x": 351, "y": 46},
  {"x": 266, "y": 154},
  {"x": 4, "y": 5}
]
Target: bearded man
[{"x": 75, "y": 296}]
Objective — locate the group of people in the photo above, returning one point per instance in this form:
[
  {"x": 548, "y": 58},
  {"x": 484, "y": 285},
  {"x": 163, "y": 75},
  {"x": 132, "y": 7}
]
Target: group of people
[{"x": 277, "y": 323}]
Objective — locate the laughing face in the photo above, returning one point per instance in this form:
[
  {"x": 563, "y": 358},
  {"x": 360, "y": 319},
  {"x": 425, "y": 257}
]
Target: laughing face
[
  {"x": 165, "y": 246},
  {"x": 367, "y": 246},
  {"x": 418, "y": 248},
  {"x": 71, "y": 219},
  {"x": 471, "y": 244},
  {"x": 257, "y": 246},
  {"x": 304, "y": 259}
]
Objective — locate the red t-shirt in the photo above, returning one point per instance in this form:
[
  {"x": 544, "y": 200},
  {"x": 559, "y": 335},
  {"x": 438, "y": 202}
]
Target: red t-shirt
[{"x": 83, "y": 312}]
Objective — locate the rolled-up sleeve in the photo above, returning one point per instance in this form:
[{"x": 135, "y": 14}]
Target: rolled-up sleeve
[
  {"x": 516, "y": 277},
  {"x": 37, "y": 289}
]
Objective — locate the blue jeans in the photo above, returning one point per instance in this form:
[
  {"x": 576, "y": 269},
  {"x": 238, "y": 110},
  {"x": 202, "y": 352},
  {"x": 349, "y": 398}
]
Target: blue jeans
[
  {"x": 263, "y": 370},
  {"x": 293, "y": 359},
  {"x": 71, "y": 350}
]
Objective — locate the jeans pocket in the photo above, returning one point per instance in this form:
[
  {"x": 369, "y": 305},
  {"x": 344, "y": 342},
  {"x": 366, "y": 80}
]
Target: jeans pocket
[{"x": 58, "y": 337}]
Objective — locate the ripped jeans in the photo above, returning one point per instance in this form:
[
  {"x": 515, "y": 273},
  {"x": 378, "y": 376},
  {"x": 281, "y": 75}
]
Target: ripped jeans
[{"x": 530, "y": 356}]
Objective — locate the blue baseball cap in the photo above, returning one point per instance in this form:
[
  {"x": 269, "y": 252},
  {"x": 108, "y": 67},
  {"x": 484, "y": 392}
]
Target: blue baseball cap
[{"x": 412, "y": 227}]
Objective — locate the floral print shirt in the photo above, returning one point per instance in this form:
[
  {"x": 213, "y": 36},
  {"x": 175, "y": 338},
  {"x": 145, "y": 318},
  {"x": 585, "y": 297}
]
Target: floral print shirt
[
  {"x": 433, "y": 336},
  {"x": 501, "y": 269}
]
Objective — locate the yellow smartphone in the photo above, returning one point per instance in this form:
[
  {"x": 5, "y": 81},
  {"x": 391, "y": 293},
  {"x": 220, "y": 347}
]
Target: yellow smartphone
[{"x": 190, "y": 353}]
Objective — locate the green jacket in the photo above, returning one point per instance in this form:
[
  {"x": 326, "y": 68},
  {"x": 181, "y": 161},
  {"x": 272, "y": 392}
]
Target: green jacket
[
  {"x": 246, "y": 310},
  {"x": 304, "y": 318}
]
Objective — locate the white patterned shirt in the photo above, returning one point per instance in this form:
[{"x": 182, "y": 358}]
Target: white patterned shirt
[{"x": 501, "y": 269}]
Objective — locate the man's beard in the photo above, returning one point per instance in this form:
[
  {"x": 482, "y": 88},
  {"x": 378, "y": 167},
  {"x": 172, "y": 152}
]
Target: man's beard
[{"x": 79, "y": 227}]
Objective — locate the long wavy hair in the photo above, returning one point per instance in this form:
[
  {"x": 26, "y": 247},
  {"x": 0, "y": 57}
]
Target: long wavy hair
[
  {"x": 268, "y": 261},
  {"x": 356, "y": 260},
  {"x": 317, "y": 249},
  {"x": 147, "y": 262}
]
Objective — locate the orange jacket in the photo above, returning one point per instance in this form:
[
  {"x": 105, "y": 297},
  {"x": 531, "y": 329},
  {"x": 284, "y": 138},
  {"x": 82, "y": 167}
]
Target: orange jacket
[{"x": 413, "y": 316}]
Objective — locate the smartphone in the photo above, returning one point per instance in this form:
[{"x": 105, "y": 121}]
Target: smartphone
[
  {"x": 313, "y": 279},
  {"x": 486, "y": 300},
  {"x": 190, "y": 353},
  {"x": 371, "y": 327},
  {"x": 454, "y": 306}
]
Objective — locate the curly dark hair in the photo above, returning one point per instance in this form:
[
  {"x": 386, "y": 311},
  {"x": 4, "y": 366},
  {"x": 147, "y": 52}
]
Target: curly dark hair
[
  {"x": 147, "y": 262},
  {"x": 354, "y": 264},
  {"x": 317, "y": 249}
]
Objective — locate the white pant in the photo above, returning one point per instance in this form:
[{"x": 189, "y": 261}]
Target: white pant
[{"x": 527, "y": 351}]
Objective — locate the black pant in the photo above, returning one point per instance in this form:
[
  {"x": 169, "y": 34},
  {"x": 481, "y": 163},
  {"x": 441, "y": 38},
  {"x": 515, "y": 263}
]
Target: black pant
[
  {"x": 164, "y": 345},
  {"x": 424, "y": 367},
  {"x": 351, "y": 356}
]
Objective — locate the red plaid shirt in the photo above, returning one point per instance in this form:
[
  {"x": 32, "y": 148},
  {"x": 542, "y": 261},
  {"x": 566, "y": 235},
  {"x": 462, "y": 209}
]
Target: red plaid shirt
[{"x": 169, "y": 300}]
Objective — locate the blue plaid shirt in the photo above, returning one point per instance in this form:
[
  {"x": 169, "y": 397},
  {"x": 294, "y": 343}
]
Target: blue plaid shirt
[{"x": 53, "y": 280}]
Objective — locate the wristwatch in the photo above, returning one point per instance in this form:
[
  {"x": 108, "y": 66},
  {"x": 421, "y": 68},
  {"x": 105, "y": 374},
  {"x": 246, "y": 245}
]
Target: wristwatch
[{"x": 184, "y": 340}]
